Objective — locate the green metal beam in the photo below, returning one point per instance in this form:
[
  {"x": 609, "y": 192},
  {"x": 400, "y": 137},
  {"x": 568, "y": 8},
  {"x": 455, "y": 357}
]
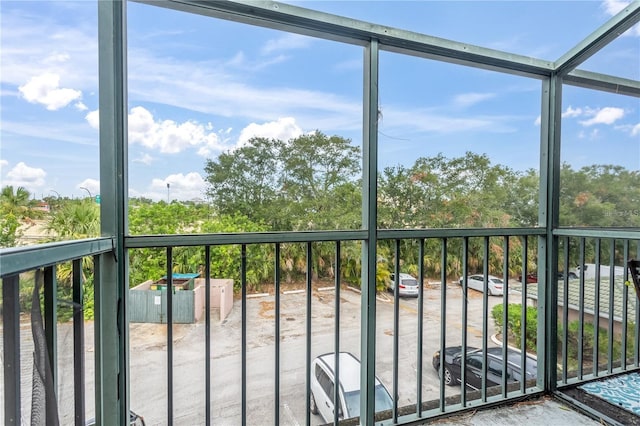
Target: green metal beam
[
  {"x": 286, "y": 17},
  {"x": 16, "y": 260},
  {"x": 617, "y": 233},
  {"x": 112, "y": 329},
  {"x": 603, "y": 82},
  {"x": 369, "y": 222},
  {"x": 625, "y": 19},
  {"x": 143, "y": 241},
  {"x": 178, "y": 240},
  {"x": 551, "y": 114}
]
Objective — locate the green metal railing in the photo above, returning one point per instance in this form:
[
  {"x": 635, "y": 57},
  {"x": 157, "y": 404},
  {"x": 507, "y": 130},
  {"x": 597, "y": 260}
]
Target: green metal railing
[
  {"x": 41, "y": 262},
  {"x": 461, "y": 252}
]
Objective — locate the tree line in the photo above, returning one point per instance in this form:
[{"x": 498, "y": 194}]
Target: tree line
[{"x": 313, "y": 182}]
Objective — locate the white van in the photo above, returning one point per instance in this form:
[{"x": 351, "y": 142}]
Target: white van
[
  {"x": 323, "y": 383},
  {"x": 590, "y": 271}
]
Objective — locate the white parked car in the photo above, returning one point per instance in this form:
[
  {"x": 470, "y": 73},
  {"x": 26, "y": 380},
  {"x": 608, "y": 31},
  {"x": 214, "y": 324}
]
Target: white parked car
[
  {"x": 323, "y": 383},
  {"x": 495, "y": 284},
  {"x": 408, "y": 285}
]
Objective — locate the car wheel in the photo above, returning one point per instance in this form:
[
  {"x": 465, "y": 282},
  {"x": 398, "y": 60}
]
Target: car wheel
[
  {"x": 448, "y": 377},
  {"x": 312, "y": 404}
]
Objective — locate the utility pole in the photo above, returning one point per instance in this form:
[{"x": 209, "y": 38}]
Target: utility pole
[{"x": 168, "y": 185}]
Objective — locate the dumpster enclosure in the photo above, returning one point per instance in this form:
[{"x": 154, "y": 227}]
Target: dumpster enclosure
[{"x": 148, "y": 301}]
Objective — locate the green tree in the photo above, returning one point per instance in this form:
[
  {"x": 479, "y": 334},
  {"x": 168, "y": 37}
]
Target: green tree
[
  {"x": 18, "y": 203},
  {"x": 75, "y": 219},
  {"x": 309, "y": 182},
  {"x": 9, "y": 232}
]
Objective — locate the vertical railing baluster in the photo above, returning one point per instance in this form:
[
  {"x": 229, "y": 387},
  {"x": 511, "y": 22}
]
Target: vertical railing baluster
[
  {"x": 207, "y": 333},
  {"x": 612, "y": 313},
  {"x": 523, "y": 317},
  {"x": 625, "y": 306},
  {"x": 465, "y": 307},
  {"x": 169, "y": 294},
  {"x": 51, "y": 321},
  {"x": 565, "y": 312},
  {"x": 308, "y": 334},
  {"x": 505, "y": 311},
  {"x": 277, "y": 335},
  {"x": 596, "y": 311},
  {"x": 419, "y": 353},
  {"x": 485, "y": 309},
  {"x": 98, "y": 319},
  {"x": 11, "y": 348},
  {"x": 396, "y": 328},
  {"x": 243, "y": 340},
  {"x": 443, "y": 318},
  {"x": 78, "y": 343},
  {"x": 336, "y": 343},
  {"x": 581, "y": 312}
]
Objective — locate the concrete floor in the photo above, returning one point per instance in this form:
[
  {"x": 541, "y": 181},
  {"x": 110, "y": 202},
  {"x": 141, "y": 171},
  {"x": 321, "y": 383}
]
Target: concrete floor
[{"x": 543, "y": 412}]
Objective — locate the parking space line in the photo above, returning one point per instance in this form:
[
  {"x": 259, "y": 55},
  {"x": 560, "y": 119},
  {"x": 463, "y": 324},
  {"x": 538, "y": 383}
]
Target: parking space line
[{"x": 290, "y": 415}]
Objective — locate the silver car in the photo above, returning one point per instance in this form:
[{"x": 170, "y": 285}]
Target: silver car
[
  {"x": 407, "y": 285},
  {"x": 495, "y": 285}
]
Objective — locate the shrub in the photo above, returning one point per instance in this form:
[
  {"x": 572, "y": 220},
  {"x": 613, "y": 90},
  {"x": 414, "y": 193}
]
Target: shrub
[{"x": 514, "y": 324}]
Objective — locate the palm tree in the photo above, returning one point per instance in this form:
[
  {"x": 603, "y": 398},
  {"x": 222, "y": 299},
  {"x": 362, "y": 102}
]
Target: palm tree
[
  {"x": 75, "y": 220},
  {"x": 17, "y": 203}
]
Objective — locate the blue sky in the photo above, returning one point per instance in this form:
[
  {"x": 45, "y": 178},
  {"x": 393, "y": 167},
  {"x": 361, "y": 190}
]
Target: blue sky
[{"x": 200, "y": 86}]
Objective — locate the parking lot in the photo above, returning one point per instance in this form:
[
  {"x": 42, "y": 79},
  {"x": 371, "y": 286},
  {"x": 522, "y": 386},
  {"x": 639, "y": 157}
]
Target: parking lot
[
  {"x": 148, "y": 362},
  {"x": 148, "y": 355}
]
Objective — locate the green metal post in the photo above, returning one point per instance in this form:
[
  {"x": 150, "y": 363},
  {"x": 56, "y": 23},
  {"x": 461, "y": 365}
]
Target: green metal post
[
  {"x": 369, "y": 223},
  {"x": 112, "y": 329},
  {"x": 549, "y": 218}
]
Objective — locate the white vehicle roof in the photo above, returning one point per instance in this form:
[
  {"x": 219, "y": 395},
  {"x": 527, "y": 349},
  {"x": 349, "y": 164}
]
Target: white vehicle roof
[
  {"x": 404, "y": 276},
  {"x": 349, "y": 370}
]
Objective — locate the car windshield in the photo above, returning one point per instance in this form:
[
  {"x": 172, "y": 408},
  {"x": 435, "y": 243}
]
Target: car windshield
[
  {"x": 496, "y": 280},
  {"x": 352, "y": 399},
  {"x": 409, "y": 281}
]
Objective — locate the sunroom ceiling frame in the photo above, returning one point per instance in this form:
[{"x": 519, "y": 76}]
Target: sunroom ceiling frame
[
  {"x": 612, "y": 29},
  {"x": 286, "y": 17}
]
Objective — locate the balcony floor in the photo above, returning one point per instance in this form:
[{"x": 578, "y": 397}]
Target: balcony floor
[{"x": 542, "y": 411}]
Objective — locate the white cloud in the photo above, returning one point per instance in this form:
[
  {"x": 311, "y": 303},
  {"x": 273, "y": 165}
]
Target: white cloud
[
  {"x": 424, "y": 120},
  {"x": 91, "y": 184},
  {"x": 144, "y": 159},
  {"x": 181, "y": 187},
  {"x": 3, "y": 163},
  {"x": 607, "y": 115},
  {"x": 636, "y": 130},
  {"x": 93, "y": 118},
  {"x": 286, "y": 42},
  {"x": 45, "y": 89},
  {"x": 467, "y": 99},
  {"x": 80, "y": 106},
  {"x": 538, "y": 121},
  {"x": 613, "y": 7},
  {"x": 572, "y": 112},
  {"x": 167, "y": 136},
  {"x": 284, "y": 128},
  {"x": 23, "y": 175}
]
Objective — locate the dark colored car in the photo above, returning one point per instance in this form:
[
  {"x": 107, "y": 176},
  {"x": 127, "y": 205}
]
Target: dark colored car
[
  {"x": 533, "y": 277},
  {"x": 570, "y": 275},
  {"x": 453, "y": 366}
]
